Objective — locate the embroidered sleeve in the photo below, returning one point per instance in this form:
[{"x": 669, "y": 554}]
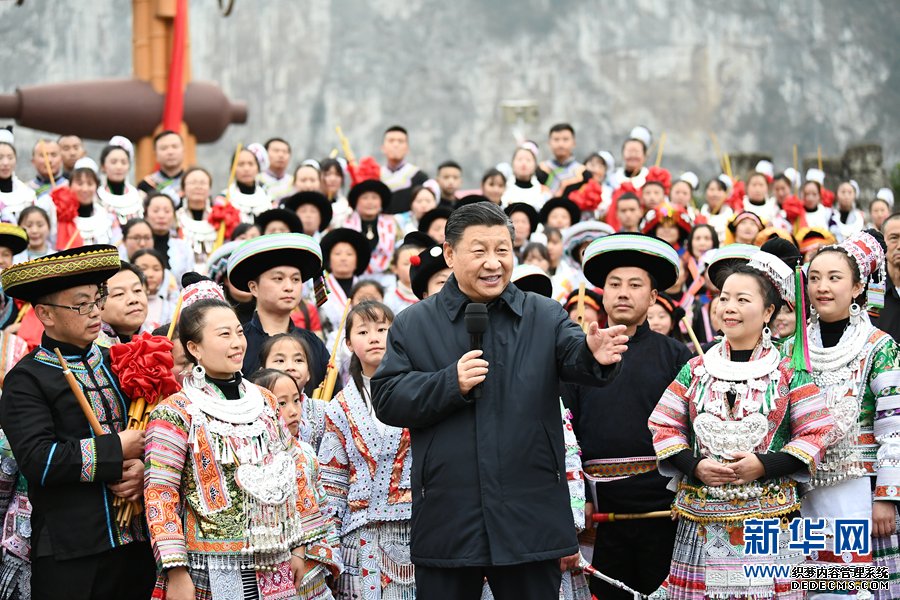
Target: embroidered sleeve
[
  {"x": 313, "y": 522},
  {"x": 42, "y": 457},
  {"x": 574, "y": 473},
  {"x": 810, "y": 424},
  {"x": 334, "y": 465},
  {"x": 164, "y": 458},
  {"x": 9, "y": 472},
  {"x": 670, "y": 421},
  {"x": 325, "y": 549},
  {"x": 884, "y": 384}
]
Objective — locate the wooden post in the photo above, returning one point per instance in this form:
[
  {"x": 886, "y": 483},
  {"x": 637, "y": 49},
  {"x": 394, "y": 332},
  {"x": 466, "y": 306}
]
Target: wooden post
[{"x": 151, "y": 56}]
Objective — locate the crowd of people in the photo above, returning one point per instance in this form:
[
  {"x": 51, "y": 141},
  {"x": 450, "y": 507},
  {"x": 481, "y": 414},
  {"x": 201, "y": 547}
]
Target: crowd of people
[{"x": 664, "y": 359}]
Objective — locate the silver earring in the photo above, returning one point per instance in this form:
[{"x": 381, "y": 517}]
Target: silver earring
[
  {"x": 855, "y": 312},
  {"x": 198, "y": 376},
  {"x": 766, "y": 337},
  {"x": 813, "y": 314}
]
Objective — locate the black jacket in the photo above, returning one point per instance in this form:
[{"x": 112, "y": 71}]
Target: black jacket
[
  {"x": 612, "y": 422},
  {"x": 318, "y": 362},
  {"x": 488, "y": 476},
  {"x": 66, "y": 465},
  {"x": 889, "y": 318}
]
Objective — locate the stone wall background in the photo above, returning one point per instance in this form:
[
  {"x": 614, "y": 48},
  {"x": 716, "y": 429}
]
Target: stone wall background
[{"x": 762, "y": 74}]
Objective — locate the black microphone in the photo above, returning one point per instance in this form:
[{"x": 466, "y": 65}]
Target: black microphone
[{"x": 476, "y": 325}]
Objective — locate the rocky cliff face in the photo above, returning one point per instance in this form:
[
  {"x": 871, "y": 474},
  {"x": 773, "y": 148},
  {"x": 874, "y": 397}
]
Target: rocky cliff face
[{"x": 763, "y": 74}]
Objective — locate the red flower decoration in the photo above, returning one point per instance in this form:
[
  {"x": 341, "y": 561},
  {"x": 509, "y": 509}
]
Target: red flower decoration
[
  {"x": 144, "y": 367},
  {"x": 225, "y": 213},
  {"x": 827, "y": 197},
  {"x": 793, "y": 208},
  {"x": 736, "y": 200},
  {"x": 660, "y": 176},
  {"x": 367, "y": 169},
  {"x": 588, "y": 197},
  {"x": 415, "y": 260},
  {"x": 612, "y": 218},
  {"x": 66, "y": 204}
]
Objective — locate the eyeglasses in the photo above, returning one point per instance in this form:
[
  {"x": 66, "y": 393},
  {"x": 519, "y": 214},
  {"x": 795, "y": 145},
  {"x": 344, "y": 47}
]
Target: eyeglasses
[{"x": 85, "y": 308}]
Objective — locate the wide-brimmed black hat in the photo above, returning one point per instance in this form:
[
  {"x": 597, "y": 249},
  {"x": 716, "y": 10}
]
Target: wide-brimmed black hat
[
  {"x": 530, "y": 278},
  {"x": 256, "y": 256},
  {"x": 292, "y": 203},
  {"x": 370, "y": 185},
  {"x": 13, "y": 237},
  {"x": 417, "y": 238},
  {"x": 352, "y": 237},
  {"x": 441, "y": 212},
  {"x": 646, "y": 252},
  {"x": 526, "y": 208},
  {"x": 272, "y": 215},
  {"x": 423, "y": 267},
  {"x": 85, "y": 265},
  {"x": 571, "y": 207}
]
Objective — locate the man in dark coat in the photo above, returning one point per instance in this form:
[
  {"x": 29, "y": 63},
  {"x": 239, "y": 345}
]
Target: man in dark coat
[
  {"x": 490, "y": 497},
  {"x": 78, "y": 550},
  {"x": 611, "y": 422}
]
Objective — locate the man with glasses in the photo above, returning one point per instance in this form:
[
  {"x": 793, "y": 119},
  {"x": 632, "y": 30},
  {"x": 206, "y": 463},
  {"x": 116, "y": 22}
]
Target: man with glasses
[
  {"x": 77, "y": 550},
  {"x": 125, "y": 308}
]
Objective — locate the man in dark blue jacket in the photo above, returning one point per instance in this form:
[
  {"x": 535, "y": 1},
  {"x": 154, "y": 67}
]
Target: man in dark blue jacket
[{"x": 490, "y": 497}]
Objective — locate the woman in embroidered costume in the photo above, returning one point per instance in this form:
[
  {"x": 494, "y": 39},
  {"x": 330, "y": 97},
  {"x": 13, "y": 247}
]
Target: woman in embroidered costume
[
  {"x": 246, "y": 194},
  {"x": 737, "y": 429},
  {"x": 290, "y": 353},
  {"x": 159, "y": 212},
  {"x": 855, "y": 364},
  {"x": 117, "y": 195},
  {"x": 195, "y": 229},
  {"x": 366, "y": 470},
  {"x": 291, "y": 400},
  {"x": 15, "y": 194},
  {"x": 369, "y": 200},
  {"x": 96, "y": 224},
  {"x": 524, "y": 186},
  {"x": 346, "y": 255},
  {"x": 230, "y": 509}
]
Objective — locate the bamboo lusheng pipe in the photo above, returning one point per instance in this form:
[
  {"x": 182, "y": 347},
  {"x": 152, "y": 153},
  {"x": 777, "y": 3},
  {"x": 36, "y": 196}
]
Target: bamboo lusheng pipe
[
  {"x": 220, "y": 236},
  {"x": 345, "y": 145},
  {"x": 175, "y": 317},
  {"x": 579, "y": 311},
  {"x": 133, "y": 508},
  {"x": 692, "y": 335},
  {"x": 326, "y": 388},
  {"x": 659, "y": 151},
  {"x": 22, "y": 312},
  {"x": 79, "y": 395},
  {"x": 47, "y": 164},
  {"x": 610, "y": 517}
]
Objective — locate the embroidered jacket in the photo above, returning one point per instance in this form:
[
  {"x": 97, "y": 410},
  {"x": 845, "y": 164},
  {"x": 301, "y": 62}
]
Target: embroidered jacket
[
  {"x": 196, "y": 510},
  {"x": 863, "y": 396},
  {"x": 775, "y": 411},
  {"x": 68, "y": 467},
  {"x": 365, "y": 472}
]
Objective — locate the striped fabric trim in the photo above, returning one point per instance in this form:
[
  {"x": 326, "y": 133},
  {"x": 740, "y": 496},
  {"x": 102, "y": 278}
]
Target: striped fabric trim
[
  {"x": 274, "y": 241},
  {"x": 49, "y": 460},
  {"x": 632, "y": 243},
  {"x": 88, "y": 460},
  {"x": 744, "y": 251}
]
